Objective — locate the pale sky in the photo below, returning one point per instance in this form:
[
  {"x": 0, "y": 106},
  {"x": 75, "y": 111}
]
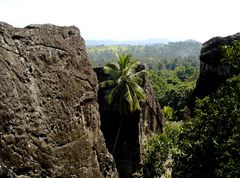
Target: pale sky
[{"x": 130, "y": 19}]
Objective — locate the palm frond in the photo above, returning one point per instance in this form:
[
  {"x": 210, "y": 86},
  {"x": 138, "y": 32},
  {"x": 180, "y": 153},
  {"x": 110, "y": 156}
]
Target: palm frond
[
  {"x": 131, "y": 67},
  {"x": 113, "y": 94},
  {"x": 107, "y": 84},
  {"x": 120, "y": 61},
  {"x": 138, "y": 90},
  {"x": 136, "y": 103},
  {"x": 126, "y": 93},
  {"x": 123, "y": 60},
  {"x": 128, "y": 97},
  {"x": 127, "y": 60},
  {"x": 112, "y": 65},
  {"x": 112, "y": 70},
  {"x": 140, "y": 74}
]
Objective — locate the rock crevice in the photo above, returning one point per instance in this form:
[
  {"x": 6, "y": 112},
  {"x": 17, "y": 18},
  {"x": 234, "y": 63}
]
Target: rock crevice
[{"x": 136, "y": 128}]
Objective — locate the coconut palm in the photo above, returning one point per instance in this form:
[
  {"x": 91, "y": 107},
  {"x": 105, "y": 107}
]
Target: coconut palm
[{"x": 125, "y": 92}]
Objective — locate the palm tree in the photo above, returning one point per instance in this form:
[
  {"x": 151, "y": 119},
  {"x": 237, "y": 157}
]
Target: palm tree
[{"x": 125, "y": 92}]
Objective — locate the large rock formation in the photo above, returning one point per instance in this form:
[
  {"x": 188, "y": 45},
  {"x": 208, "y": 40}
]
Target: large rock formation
[
  {"x": 49, "y": 120},
  {"x": 135, "y": 129},
  {"x": 213, "y": 72}
]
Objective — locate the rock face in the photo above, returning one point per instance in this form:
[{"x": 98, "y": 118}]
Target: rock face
[
  {"x": 135, "y": 129},
  {"x": 213, "y": 72},
  {"x": 49, "y": 119}
]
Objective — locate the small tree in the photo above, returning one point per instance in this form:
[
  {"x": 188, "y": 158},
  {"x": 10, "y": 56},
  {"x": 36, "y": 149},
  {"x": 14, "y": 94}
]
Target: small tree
[
  {"x": 125, "y": 92},
  {"x": 159, "y": 150}
]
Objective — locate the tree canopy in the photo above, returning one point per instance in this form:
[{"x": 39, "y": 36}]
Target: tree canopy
[
  {"x": 124, "y": 84},
  {"x": 208, "y": 144}
]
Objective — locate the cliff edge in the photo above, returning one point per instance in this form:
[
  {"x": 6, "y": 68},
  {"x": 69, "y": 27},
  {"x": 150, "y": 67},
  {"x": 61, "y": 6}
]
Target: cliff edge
[{"x": 212, "y": 71}]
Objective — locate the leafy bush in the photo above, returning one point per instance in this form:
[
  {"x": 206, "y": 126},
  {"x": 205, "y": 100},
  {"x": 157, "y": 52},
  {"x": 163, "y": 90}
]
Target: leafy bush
[
  {"x": 174, "y": 87},
  {"x": 168, "y": 112},
  {"x": 159, "y": 150},
  {"x": 231, "y": 54}
]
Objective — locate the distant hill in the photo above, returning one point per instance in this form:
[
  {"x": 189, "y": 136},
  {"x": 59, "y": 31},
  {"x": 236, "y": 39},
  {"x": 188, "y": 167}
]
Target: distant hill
[
  {"x": 122, "y": 43},
  {"x": 151, "y": 54}
]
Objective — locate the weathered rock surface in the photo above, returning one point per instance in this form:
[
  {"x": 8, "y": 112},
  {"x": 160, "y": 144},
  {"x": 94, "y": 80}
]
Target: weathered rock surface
[
  {"x": 135, "y": 130},
  {"x": 151, "y": 117},
  {"x": 213, "y": 72},
  {"x": 49, "y": 119}
]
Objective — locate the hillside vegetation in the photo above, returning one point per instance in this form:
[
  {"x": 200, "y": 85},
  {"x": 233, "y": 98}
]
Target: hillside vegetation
[
  {"x": 156, "y": 56},
  {"x": 173, "y": 70},
  {"x": 206, "y": 145}
]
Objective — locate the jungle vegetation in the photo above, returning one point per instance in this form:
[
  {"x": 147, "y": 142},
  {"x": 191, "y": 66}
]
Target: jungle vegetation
[{"x": 204, "y": 144}]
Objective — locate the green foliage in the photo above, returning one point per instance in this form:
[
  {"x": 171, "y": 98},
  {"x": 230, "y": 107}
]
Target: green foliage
[
  {"x": 174, "y": 69},
  {"x": 231, "y": 54},
  {"x": 156, "y": 56},
  {"x": 124, "y": 87},
  {"x": 159, "y": 151},
  {"x": 207, "y": 145},
  {"x": 125, "y": 92},
  {"x": 168, "y": 112},
  {"x": 210, "y": 142},
  {"x": 173, "y": 88}
]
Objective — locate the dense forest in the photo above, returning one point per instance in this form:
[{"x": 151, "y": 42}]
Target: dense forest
[
  {"x": 207, "y": 144},
  {"x": 173, "y": 69},
  {"x": 203, "y": 143}
]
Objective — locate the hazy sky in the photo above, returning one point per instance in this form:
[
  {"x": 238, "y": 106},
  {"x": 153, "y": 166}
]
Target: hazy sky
[{"x": 130, "y": 19}]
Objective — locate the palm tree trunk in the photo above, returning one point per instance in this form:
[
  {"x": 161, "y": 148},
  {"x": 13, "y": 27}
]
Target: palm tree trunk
[{"x": 117, "y": 136}]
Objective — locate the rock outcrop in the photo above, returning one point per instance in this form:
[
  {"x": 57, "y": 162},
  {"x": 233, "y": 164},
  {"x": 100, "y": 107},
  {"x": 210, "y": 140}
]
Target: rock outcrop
[
  {"x": 135, "y": 129},
  {"x": 49, "y": 119},
  {"x": 212, "y": 71}
]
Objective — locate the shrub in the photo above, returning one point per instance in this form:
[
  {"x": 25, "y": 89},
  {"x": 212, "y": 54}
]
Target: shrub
[{"x": 159, "y": 150}]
